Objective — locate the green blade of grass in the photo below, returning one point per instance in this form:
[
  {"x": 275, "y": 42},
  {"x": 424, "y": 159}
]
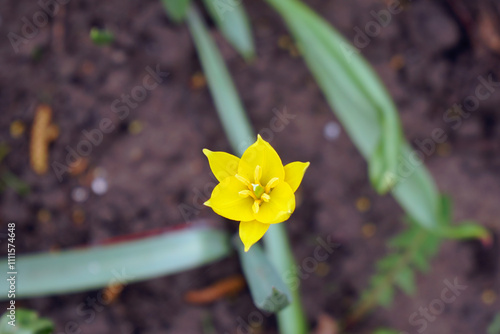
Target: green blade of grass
[
  {"x": 232, "y": 21},
  {"x": 120, "y": 263}
]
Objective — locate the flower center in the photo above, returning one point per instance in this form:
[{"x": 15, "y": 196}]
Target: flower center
[{"x": 256, "y": 190}]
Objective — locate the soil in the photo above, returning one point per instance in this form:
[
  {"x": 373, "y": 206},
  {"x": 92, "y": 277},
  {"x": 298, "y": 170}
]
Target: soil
[{"x": 431, "y": 56}]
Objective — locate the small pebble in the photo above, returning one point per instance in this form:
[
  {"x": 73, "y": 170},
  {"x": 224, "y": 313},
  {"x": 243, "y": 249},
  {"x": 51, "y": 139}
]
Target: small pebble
[
  {"x": 99, "y": 185},
  {"x": 323, "y": 269},
  {"x": 135, "y": 127},
  {"x": 44, "y": 216},
  {"x": 488, "y": 297},
  {"x": 198, "y": 81},
  {"x": 368, "y": 230},
  {"x": 79, "y": 194},
  {"x": 397, "y": 62},
  {"x": 331, "y": 131},
  {"x": 78, "y": 216},
  {"x": 17, "y": 129},
  {"x": 363, "y": 204},
  {"x": 444, "y": 150}
]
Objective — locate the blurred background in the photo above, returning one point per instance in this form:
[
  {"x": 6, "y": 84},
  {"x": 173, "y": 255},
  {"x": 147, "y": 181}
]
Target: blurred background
[{"x": 143, "y": 105}]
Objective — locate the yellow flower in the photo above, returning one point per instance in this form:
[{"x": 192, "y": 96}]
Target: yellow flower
[{"x": 256, "y": 190}]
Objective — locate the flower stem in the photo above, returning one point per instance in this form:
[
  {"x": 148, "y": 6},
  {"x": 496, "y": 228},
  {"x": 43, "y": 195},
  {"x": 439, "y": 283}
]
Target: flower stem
[
  {"x": 292, "y": 319},
  {"x": 240, "y": 133}
]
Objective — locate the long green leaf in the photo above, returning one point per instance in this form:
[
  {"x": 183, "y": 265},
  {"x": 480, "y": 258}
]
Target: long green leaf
[
  {"x": 221, "y": 86},
  {"x": 278, "y": 250},
  {"x": 269, "y": 293},
  {"x": 361, "y": 102},
  {"x": 121, "y": 263},
  {"x": 232, "y": 21}
]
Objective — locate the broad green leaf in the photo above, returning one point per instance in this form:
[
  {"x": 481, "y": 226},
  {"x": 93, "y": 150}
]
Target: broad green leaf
[
  {"x": 232, "y": 21},
  {"x": 224, "y": 94},
  {"x": 176, "y": 9},
  {"x": 24, "y": 322},
  {"x": 269, "y": 293},
  {"x": 120, "y": 263}
]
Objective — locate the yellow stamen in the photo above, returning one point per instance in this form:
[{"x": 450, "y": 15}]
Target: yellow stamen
[
  {"x": 271, "y": 184},
  {"x": 265, "y": 197},
  {"x": 244, "y": 181},
  {"x": 257, "y": 174},
  {"x": 245, "y": 193},
  {"x": 256, "y": 206}
]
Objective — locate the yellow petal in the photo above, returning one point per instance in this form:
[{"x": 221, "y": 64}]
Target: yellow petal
[
  {"x": 261, "y": 154},
  {"x": 294, "y": 172},
  {"x": 251, "y": 232},
  {"x": 222, "y": 164},
  {"x": 227, "y": 202},
  {"x": 280, "y": 206}
]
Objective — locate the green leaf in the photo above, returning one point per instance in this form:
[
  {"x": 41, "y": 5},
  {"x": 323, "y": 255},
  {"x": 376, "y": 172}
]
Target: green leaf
[
  {"x": 385, "y": 331},
  {"x": 421, "y": 262},
  {"x": 232, "y": 21},
  {"x": 352, "y": 88},
  {"x": 269, "y": 293},
  {"x": 26, "y": 322},
  {"x": 120, "y": 263},
  {"x": 494, "y": 327},
  {"x": 227, "y": 102},
  {"x": 291, "y": 320},
  {"x": 176, "y": 9},
  {"x": 387, "y": 262},
  {"x": 385, "y": 296},
  {"x": 406, "y": 280},
  {"x": 101, "y": 36},
  {"x": 366, "y": 110}
]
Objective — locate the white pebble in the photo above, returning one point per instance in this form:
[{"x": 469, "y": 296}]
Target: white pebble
[
  {"x": 79, "y": 194},
  {"x": 99, "y": 185},
  {"x": 331, "y": 131}
]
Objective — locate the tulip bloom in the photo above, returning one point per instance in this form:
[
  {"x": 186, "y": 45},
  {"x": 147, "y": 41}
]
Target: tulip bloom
[{"x": 256, "y": 190}]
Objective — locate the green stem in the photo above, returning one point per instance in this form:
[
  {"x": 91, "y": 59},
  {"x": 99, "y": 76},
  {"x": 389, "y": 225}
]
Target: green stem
[{"x": 292, "y": 319}]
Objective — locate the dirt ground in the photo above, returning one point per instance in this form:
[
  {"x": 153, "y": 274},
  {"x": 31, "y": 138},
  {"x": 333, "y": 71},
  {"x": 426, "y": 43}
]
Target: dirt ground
[{"x": 431, "y": 56}]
